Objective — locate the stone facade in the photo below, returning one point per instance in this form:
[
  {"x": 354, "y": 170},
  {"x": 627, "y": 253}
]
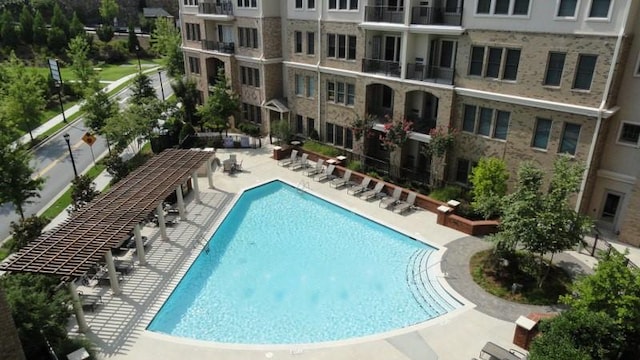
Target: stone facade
[
  {"x": 304, "y": 27},
  {"x": 342, "y": 29},
  {"x": 630, "y": 230},
  {"x": 535, "y": 48},
  {"x": 271, "y": 36}
]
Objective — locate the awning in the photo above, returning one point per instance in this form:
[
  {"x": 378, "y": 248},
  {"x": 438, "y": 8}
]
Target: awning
[{"x": 276, "y": 105}]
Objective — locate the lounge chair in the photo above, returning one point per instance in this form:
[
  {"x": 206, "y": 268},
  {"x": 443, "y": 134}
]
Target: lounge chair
[
  {"x": 326, "y": 174},
  {"x": 375, "y": 192},
  {"x": 300, "y": 163},
  {"x": 402, "y": 206},
  {"x": 357, "y": 189},
  {"x": 340, "y": 182},
  {"x": 316, "y": 169},
  {"x": 390, "y": 201},
  {"x": 89, "y": 302},
  {"x": 244, "y": 142},
  {"x": 227, "y": 166},
  {"x": 289, "y": 161}
]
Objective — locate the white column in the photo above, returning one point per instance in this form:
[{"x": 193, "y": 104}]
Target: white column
[
  {"x": 210, "y": 174},
  {"x": 139, "y": 245},
  {"x": 113, "y": 277},
  {"x": 77, "y": 306},
  {"x": 196, "y": 187},
  {"x": 161, "y": 223},
  {"x": 404, "y": 41},
  {"x": 181, "y": 210}
]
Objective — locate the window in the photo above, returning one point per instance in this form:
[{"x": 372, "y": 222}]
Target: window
[
  {"x": 311, "y": 43},
  {"x": 311, "y": 4},
  {"x": 503, "y": 7},
  {"x": 298, "y": 4},
  {"x": 521, "y": 7},
  {"x": 599, "y": 8},
  {"x": 250, "y": 76},
  {"x": 247, "y": 3},
  {"x": 299, "y": 85},
  {"x": 446, "y": 54},
  {"x": 495, "y": 69},
  {"x": 584, "y": 72},
  {"x": 463, "y": 169},
  {"x": 339, "y": 42},
  {"x": 541, "y": 134},
  {"x": 193, "y": 31},
  {"x": 348, "y": 142},
  {"x": 194, "y": 65},
  {"x": 343, "y": 4},
  {"x": 311, "y": 86},
  {"x": 248, "y": 37},
  {"x": 569, "y": 140},
  {"x": 484, "y": 7},
  {"x": 311, "y": 126},
  {"x": 297, "y": 36},
  {"x": 339, "y": 136},
  {"x": 329, "y": 134},
  {"x": 630, "y": 134},
  {"x": 191, "y": 2},
  {"x": 491, "y": 123},
  {"x": 299, "y": 124},
  {"x": 341, "y": 93},
  {"x": 251, "y": 113},
  {"x": 567, "y": 8},
  {"x": 555, "y": 66}
]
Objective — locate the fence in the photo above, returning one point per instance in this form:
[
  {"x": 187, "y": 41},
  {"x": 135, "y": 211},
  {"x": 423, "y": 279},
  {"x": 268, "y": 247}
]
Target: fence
[{"x": 596, "y": 246}]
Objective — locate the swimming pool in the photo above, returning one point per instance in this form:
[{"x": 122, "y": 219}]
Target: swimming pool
[{"x": 287, "y": 267}]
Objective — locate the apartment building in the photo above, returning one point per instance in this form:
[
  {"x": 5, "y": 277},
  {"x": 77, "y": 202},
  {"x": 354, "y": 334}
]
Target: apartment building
[{"x": 520, "y": 79}]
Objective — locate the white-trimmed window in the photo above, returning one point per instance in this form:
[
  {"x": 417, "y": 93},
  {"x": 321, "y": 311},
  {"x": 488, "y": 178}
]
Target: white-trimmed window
[
  {"x": 567, "y": 9},
  {"x": 250, "y": 76},
  {"x": 311, "y": 43},
  {"x": 299, "y": 80},
  {"x": 311, "y": 86},
  {"x": 584, "y": 71},
  {"x": 341, "y": 46},
  {"x": 494, "y": 62},
  {"x": 247, "y": 4},
  {"x": 298, "y": 4},
  {"x": 299, "y": 124},
  {"x": 311, "y": 4},
  {"x": 190, "y": 2},
  {"x": 194, "y": 65},
  {"x": 569, "y": 140},
  {"x": 248, "y": 37},
  {"x": 297, "y": 42},
  {"x": 343, "y": 4},
  {"x": 600, "y": 9},
  {"x": 629, "y": 134},
  {"x": 251, "y": 113},
  {"x": 555, "y": 67},
  {"x": 338, "y": 135},
  {"x": 193, "y": 31},
  {"x": 486, "y": 121},
  {"x": 463, "y": 170},
  {"x": 541, "y": 134},
  {"x": 341, "y": 92},
  {"x": 503, "y": 7}
]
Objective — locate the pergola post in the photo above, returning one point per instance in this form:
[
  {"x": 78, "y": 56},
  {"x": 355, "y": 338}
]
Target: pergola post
[
  {"x": 161, "y": 224},
  {"x": 181, "y": 209},
  {"x": 210, "y": 174},
  {"x": 113, "y": 276},
  {"x": 139, "y": 245},
  {"x": 77, "y": 306},
  {"x": 196, "y": 187}
]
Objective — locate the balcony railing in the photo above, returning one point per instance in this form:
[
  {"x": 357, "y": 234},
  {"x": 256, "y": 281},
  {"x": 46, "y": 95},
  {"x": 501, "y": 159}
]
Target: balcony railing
[
  {"x": 223, "y": 47},
  {"x": 422, "y": 124},
  {"x": 216, "y": 8},
  {"x": 432, "y": 74},
  {"x": 427, "y": 15},
  {"x": 388, "y": 68},
  {"x": 384, "y": 14}
]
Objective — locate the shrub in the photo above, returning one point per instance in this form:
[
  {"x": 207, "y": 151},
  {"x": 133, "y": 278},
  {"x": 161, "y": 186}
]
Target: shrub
[
  {"x": 105, "y": 33},
  {"x": 57, "y": 40},
  {"x": 320, "y": 148},
  {"x": 354, "y": 165},
  {"x": 447, "y": 193},
  {"x": 113, "y": 52}
]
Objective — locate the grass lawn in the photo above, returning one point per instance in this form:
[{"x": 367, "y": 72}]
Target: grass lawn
[
  {"x": 107, "y": 72},
  {"x": 497, "y": 280},
  {"x": 65, "y": 200}
]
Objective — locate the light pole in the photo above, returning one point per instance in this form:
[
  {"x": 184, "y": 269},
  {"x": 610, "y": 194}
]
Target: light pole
[
  {"x": 161, "y": 87},
  {"x": 138, "y": 56},
  {"x": 66, "y": 138}
]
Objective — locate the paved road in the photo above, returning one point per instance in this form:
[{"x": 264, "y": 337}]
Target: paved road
[{"x": 51, "y": 160}]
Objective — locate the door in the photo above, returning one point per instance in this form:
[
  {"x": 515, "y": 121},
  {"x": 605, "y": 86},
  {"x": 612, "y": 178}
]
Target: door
[
  {"x": 611, "y": 209},
  {"x": 225, "y": 34},
  {"x": 392, "y": 48}
]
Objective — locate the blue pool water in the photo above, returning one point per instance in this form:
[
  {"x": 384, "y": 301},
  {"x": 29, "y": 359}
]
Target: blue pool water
[{"x": 287, "y": 267}]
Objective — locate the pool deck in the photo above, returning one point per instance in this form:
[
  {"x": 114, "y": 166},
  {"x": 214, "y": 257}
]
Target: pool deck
[{"x": 117, "y": 327}]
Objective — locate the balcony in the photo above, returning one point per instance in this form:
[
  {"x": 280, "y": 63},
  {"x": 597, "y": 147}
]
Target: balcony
[
  {"x": 223, "y": 47},
  {"x": 216, "y": 8},
  {"x": 422, "y": 125},
  {"x": 386, "y": 14},
  {"x": 387, "y": 68},
  {"x": 434, "y": 74},
  {"x": 427, "y": 15}
]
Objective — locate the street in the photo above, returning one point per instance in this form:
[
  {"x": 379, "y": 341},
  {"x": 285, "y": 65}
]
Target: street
[{"x": 51, "y": 160}]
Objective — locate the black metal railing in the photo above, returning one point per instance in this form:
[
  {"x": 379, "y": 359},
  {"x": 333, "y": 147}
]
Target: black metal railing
[
  {"x": 434, "y": 74},
  {"x": 216, "y": 7},
  {"x": 427, "y": 15},
  {"x": 384, "y": 14},
  {"x": 388, "y": 68},
  {"x": 224, "y": 47}
]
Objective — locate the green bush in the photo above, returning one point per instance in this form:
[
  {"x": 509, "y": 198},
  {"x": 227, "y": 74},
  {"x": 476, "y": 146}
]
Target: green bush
[
  {"x": 447, "y": 193},
  {"x": 113, "y": 52},
  {"x": 105, "y": 33},
  {"x": 354, "y": 165},
  {"x": 249, "y": 129},
  {"x": 320, "y": 148}
]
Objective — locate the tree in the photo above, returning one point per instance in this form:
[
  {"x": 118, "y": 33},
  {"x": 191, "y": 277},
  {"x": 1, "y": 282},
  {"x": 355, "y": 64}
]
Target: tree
[
  {"x": 56, "y": 40},
  {"x": 24, "y": 99},
  {"x": 489, "y": 180},
  {"x": 132, "y": 40},
  {"x": 105, "y": 33},
  {"x": 577, "y": 334},
  {"x": 8, "y": 31},
  {"x": 141, "y": 89},
  {"x": 282, "y": 130},
  {"x": 76, "y": 27},
  {"x": 108, "y": 10},
  {"x": 98, "y": 109},
  {"x": 116, "y": 167},
  {"x": 442, "y": 140},
  {"x": 83, "y": 190},
  {"x": 136, "y": 124},
  {"x": 220, "y": 105},
  {"x": 26, "y": 230},
  {"x": 20, "y": 187},
  {"x": 81, "y": 66},
  {"x": 361, "y": 128},
  {"x": 59, "y": 20},
  {"x": 166, "y": 41},
  {"x": 26, "y": 25},
  {"x": 186, "y": 92},
  {"x": 39, "y": 30}
]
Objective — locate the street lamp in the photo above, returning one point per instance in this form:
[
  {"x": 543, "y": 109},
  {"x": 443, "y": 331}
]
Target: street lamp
[
  {"x": 161, "y": 87},
  {"x": 66, "y": 138},
  {"x": 138, "y": 56}
]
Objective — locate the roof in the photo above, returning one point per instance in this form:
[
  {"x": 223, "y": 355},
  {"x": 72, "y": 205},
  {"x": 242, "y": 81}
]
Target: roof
[
  {"x": 155, "y": 13},
  {"x": 277, "y": 105},
  {"x": 80, "y": 242}
]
